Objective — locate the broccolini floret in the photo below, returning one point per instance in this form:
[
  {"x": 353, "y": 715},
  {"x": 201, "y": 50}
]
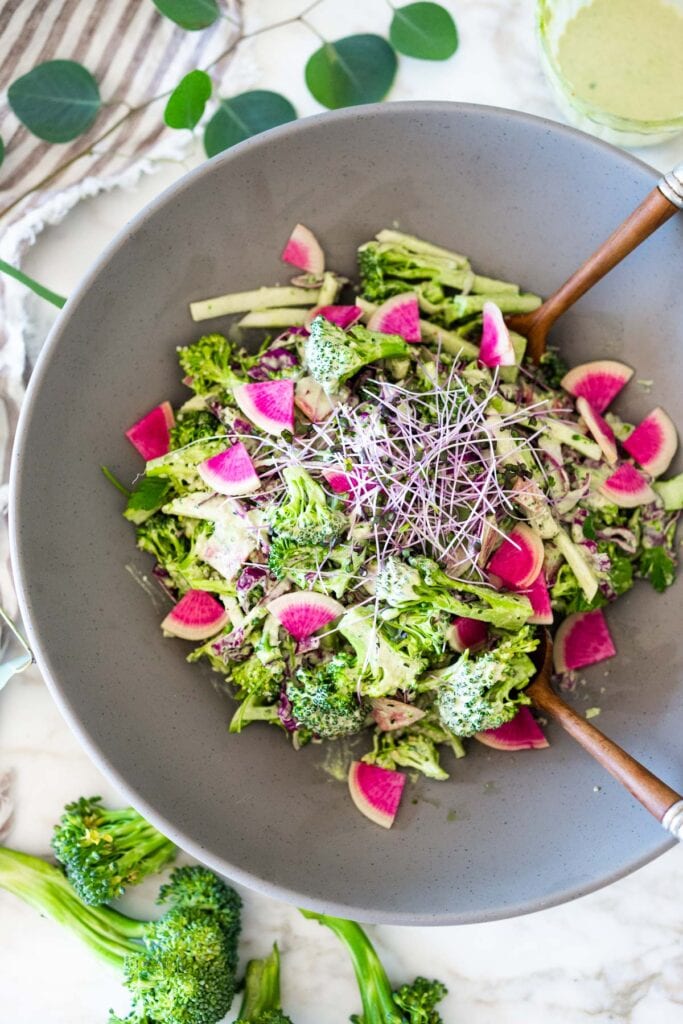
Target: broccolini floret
[
  {"x": 413, "y": 1003},
  {"x": 251, "y": 676},
  {"x": 406, "y": 749},
  {"x": 314, "y": 567},
  {"x": 194, "y": 425},
  {"x": 103, "y": 851},
  {"x": 208, "y": 364},
  {"x": 261, "y": 1003},
  {"x": 485, "y": 690},
  {"x": 332, "y": 355},
  {"x": 176, "y": 552},
  {"x": 325, "y": 698},
  {"x": 304, "y": 515}
]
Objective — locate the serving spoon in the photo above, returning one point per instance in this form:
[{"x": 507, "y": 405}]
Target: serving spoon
[
  {"x": 659, "y": 799},
  {"x": 657, "y": 208}
]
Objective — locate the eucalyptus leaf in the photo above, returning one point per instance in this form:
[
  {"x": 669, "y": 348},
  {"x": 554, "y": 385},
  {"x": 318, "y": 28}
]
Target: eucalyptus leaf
[
  {"x": 356, "y": 69},
  {"x": 245, "y": 115},
  {"x": 187, "y": 102},
  {"x": 424, "y": 30},
  {"x": 189, "y": 14},
  {"x": 57, "y": 101}
]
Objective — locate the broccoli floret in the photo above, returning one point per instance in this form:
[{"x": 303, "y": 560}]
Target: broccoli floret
[
  {"x": 254, "y": 708},
  {"x": 485, "y": 690},
  {"x": 208, "y": 364},
  {"x": 410, "y": 1004},
  {"x": 180, "y": 466},
  {"x": 103, "y": 851},
  {"x": 164, "y": 538},
  {"x": 385, "y": 665},
  {"x": 304, "y": 515},
  {"x": 314, "y": 567},
  {"x": 406, "y": 749},
  {"x": 194, "y": 426},
  {"x": 421, "y": 630},
  {"x": 374, "y": 283},
  {"x": 261, "y": 1003},
  {"x": 325, "y": 699},
  {"x": 251, "y": 676},
  {"x": 332, "y": 355},
  {"x": 551, "y": 368},
  {"x": 180, "y": 969}
]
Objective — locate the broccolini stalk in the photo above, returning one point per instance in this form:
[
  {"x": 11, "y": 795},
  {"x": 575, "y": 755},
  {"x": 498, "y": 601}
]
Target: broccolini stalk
[{"x": 261, "y": 1003}]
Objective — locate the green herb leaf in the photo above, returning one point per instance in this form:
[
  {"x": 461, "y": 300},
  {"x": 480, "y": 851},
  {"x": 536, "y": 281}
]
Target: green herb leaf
[
  {"x": 424, "y": 30},
  {"x": 187, "y": 102},
  {"x": 35, "y": 286},
  {"x": 189, "y": 14},
  {"x": 356, "y": 69},
  {"x": 245, "y": 115},
  {"x": 147, "y": 498},
  {"x": 657, "y": 567},
  {"x": 57, "y": 101},
  {"x": 589, "y": 530}
]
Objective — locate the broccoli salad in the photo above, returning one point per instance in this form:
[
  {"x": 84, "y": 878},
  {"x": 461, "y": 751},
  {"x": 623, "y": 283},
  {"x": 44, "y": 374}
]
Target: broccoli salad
[{"x": 364, "y": 521}]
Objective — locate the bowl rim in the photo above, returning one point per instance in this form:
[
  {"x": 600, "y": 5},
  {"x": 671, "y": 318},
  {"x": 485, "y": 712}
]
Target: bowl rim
[{"x": 67, "y": 707}]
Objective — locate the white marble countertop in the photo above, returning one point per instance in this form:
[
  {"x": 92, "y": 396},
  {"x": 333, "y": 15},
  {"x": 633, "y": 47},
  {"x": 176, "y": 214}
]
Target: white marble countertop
[{"x": 613, "y": 956}]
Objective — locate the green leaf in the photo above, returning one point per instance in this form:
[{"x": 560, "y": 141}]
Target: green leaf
[
  {"x": 45, "y": 293},
  {"x": 57, "y": 101},
  {"x": 189, "y": 14},
  {"x": 187, "y": 101},
  {"x": 245, "y": 115},
  {"x": 658, "y": 567},
  {"x": 424, "y": 30},
  {"x": 350, "y": 71},
  {"x": 147, "y": 498}
]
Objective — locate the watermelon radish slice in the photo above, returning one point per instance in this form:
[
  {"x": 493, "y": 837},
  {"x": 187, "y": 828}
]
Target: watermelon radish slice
[
  {"x": 376, "y": 792},
  {"x": 390, "y": 714},
  {"x": 495, "y": 347},
  {"x": 582, "y": 639},
  {"x": 598, "y": 382},
  {"x": 627, "y": 488},
  {"x": 303, "y": 250},
  {"x": 150, "y": 435},
  {"x": 196, "y": 616},
  {"x": 521, "y": 733},
  {"x": 269, "y": 404},
  {"x": 342, "y": 316},
  {"x": 653, "y": 443},
  {"x": 312, "y": 400},
  {"x": 519, "y": 559},
  {"x": 398, "y": 315},
  {"x": 539, "y": 599},
  {"x": 230, "y": 472},
  {"x": 467, "y": 634},
  {"x": 304, "y": 613},
  {"x": 339, "y": 481},
  {"x": 599, "y": 428}
]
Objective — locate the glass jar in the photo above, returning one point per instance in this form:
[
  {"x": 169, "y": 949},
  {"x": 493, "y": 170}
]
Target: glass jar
[{"x": 634, "y": 42}]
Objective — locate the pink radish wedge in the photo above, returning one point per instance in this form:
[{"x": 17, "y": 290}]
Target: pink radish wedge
[
  {"x": 519, "y": 559},
  {"x": 342, "y": 316},
  {"x": 312, "y": 400},
  {"x": 196, "y": 616},
  {"x": 582, "y": 639},
  {"x": 230, "y": 472},
  {"x": 539, "y": 599},
  {"x": 389, "y": 714},
  {"x": 376, "y": 792},
  {"x": 303, "y": 613},
  {"x": 627, "y": 488},
  {"x": 303, "y": 250},
  {"x": 340, "y": 481},
  {"x": 495, "y": 347},
  {"x": 467, "y": 634},
  {"x": 269, "y": 404},
  {"x": 521, "y": 733},
  {"x": 398, "y": 315},
  {"x": 598, "y": 382},
  {"x": 151, "y": 435},
  {"x": 599, "y": 428},
  {"x": 653, "y": 443}
]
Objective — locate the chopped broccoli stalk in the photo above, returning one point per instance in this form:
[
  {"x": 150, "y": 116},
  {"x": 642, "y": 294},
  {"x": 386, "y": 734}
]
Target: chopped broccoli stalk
[
  {"x": 259, "y": 298},
  {"x": 304, "y": 516},
  {"x": 325, "y": 698},
  {"x": 671, "y": 492},
  {"x": 195, "y": 425},
  {"x": 449, "y": 340},
  {"x": 485, "y": 690},
  {"x": 254, "y": 708},
  {"x": 180, "y": 969},
  {"x": 287, "y": 316},
  {"x": 103, "y": 851},
  {"x": 332, "y": 355},
  {"x": 261, "y": 1003},
  {"x": 410, "y": 1004}
]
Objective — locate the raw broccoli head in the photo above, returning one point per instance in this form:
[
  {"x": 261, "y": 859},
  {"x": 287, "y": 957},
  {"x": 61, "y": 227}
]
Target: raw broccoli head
[
  {"x": 329, "y": 570},
  {"x": 332, "y": 355},
  {"x": 208, "y": 364},
  {"x": 304, "y": 515},
  {"x": 325, "y": 699},
  {"x": 485, "y": 690},
  {"x": 406, "y": 749},
  {"x": 418, "y": 1001},
  {"x": 197, "y": 888},
  {"x": 386, "y": 665},
  {"x": 162, "y": 537},
  {"x": 103, "y": 851},
  {"x": 194, "y": 426},
  {"x": 251, "y": 676}
]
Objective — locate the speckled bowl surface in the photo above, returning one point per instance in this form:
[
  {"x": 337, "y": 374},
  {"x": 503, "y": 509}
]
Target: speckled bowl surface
[{"x": 510, "y": 832}]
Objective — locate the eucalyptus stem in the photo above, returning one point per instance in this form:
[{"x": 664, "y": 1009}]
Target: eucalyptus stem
[{"x": 45, "y": 293}]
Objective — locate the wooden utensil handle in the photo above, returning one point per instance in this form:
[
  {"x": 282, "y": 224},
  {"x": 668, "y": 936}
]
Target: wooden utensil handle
[{"x": 659, "y": 799}]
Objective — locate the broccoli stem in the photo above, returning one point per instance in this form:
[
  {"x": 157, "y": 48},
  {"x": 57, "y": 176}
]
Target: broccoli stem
[
  {"x": 261, "y": 986},
  {"x": 43, "y": 886},
  {"x": 461, "y": 306},
  {"x": 285, "y": 316},
  {"x": 259, "y": 298},
  {"x": 329, "y": 289},
  {"x": 450, "y": 341},
  {"x": 375, "y": 989},
  {"x": 419, "y": 246}
]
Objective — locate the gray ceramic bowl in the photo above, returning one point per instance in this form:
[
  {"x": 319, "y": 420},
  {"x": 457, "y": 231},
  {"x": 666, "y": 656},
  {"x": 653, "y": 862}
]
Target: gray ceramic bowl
[{"x": 527, "y": 200}]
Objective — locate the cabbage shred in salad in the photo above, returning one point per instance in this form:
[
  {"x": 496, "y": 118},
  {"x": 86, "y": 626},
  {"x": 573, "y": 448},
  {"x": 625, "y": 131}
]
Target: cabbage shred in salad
[{"x": 364, "y": 523}]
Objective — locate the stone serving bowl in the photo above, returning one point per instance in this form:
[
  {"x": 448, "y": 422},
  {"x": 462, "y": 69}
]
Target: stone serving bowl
[{"x": 510, "y": 832}]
